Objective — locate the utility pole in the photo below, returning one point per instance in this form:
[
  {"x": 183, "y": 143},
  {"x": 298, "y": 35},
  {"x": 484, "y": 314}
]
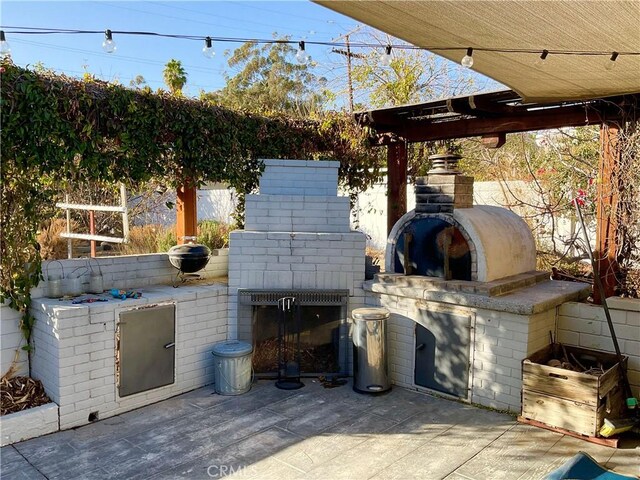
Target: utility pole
[
  {"x": 347, "y": 53},
  {"x": 349, "y": 80}
]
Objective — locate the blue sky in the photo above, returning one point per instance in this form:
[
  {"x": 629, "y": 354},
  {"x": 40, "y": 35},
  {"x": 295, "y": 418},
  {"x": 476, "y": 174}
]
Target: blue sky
[{"x": 146, "y": 56}]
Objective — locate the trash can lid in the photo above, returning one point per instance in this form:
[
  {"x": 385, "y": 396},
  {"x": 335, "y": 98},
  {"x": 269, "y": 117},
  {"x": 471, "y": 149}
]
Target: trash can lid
[
  {"x": 232, "y": 348},
  {"x": 371, "y": 313}
]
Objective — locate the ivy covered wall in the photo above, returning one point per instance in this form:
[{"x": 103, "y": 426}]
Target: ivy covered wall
[{"x": 58, "y": 131}]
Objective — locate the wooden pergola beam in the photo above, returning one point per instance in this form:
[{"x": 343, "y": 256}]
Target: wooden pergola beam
[
  {"x": 429, "y": 130},
  {"x": 492, "y": 116},
  {"x": 495, "y": 102},
  {"x": 494, "y": 140}
]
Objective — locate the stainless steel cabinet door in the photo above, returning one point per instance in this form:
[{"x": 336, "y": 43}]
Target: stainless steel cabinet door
[{"x": 146, "y": 349}]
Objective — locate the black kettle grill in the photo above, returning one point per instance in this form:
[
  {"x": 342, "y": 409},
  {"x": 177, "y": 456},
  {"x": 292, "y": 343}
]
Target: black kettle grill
[{"x": 189, "y": 258}]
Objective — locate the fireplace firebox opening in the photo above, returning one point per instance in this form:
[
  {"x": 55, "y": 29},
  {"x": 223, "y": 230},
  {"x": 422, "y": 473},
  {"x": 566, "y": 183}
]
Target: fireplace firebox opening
[{"x": 323, "y": 330}]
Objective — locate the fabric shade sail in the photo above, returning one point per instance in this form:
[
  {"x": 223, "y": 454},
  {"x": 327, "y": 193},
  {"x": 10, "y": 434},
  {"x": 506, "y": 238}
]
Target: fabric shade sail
[{"x": 558, "y": 25}]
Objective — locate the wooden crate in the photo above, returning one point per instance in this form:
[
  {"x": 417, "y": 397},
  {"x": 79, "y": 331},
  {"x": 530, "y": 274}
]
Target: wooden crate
[{"x": 571, "y": 400}]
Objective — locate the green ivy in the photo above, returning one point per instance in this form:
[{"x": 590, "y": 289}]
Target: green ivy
[{"x": 58, "y": 131}]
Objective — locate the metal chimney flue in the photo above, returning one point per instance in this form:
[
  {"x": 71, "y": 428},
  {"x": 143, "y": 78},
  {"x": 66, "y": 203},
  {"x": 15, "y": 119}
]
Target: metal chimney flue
[{"x": 444, "y": 164}]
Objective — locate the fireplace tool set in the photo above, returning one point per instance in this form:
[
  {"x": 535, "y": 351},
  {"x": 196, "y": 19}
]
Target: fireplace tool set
[{"x": 288, "y": 344}]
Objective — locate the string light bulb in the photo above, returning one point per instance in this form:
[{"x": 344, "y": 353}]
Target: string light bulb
[
  {"x": 385, "y": 58},
  {"x": 540, "y": 62},
  {"x": 302, "y": 56},
  {"x": 612, "y": 61},
  {"x": 208, "y": 50},
  {"x": 108, "y": 45},
  {"x": 467, "y": 60},
  {"x": 5, "y": 49}
]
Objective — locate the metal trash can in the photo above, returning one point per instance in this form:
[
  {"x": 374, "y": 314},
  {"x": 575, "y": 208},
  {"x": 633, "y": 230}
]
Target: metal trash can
[
  {"x": 370, "y": 370},
  {"x": 232, "y": 367}
]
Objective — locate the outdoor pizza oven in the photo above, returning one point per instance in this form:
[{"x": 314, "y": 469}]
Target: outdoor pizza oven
[
  {"x": 466, "y": 302},
  {"x": 449, "y": 238}
]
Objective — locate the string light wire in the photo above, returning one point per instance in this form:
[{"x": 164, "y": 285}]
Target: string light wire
[{"x": 22, "y": 30}]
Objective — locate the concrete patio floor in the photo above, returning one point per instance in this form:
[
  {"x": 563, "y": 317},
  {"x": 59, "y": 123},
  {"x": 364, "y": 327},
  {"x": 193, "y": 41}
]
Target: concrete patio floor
[{"x": 309, "y": 433}]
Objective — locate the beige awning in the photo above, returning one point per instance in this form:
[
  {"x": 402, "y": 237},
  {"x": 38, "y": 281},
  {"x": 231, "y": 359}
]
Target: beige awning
[{"x": 576, "y": 25}]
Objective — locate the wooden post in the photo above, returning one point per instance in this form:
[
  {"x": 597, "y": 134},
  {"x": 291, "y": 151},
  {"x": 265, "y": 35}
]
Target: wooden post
[
  {"x": 186, "y": 213},
  {"x": 606, "y": 205},
  {"x": 92, "y": 231},
  {"x": 396, "y": 182}
]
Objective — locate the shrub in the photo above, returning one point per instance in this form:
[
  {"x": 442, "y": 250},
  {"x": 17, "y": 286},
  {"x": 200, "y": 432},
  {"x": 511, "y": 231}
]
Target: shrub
[
  {"x": 166, "y": 238},
  {"x": 52, "y": 245},
  {"x": 142, "y": 239},
  {"x": 213, "y": 234}
]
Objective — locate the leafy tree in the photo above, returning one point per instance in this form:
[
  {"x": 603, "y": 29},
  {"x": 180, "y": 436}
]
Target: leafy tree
[
  {"x": 540, "y": 174},
  {"x": 138, "y": 81},
  {"x": 175, "y": 76},
  {"x": 268, "y": 80},
  {"x": 412, "y": 76}
]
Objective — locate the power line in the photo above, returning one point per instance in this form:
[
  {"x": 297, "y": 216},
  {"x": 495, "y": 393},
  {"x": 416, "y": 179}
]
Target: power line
[
  {"x": 172, "y": 17},
  {"x": 123, "y": 58},
  {"x": 215, "y": 15},
  {"x": 286, "y": 14}
]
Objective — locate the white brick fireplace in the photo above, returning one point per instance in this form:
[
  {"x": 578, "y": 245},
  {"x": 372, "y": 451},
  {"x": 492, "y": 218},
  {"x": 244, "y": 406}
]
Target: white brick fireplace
[{"x": 297, "y": 236}]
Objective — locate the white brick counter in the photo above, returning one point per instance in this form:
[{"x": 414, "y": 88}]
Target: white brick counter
[
  {"x": 74, "y": 349},
  {"x": 504, "y": 330}
]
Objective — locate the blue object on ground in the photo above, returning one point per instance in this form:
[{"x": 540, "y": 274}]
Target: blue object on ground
[{"x": 583, "y": 467}]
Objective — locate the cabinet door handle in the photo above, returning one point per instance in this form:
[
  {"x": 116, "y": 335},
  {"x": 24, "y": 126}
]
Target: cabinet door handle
[
  {"x": 169, "y": 345},
  {"x": 420, "y": 346}
]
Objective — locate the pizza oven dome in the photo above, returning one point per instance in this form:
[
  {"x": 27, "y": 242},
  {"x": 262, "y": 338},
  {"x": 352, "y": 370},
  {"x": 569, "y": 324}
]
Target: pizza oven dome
[{"x": 447, "y": 237}]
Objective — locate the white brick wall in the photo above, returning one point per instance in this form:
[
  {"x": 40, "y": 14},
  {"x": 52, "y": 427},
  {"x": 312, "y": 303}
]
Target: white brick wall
[
  {"x": 299, "y": 177},
  {"x": 276, "y": 260},
  {"x": 502, "y": 341},
  {"x": 130, "y": 271},
  {"x": 74, "y": 349},
  {"x": 11, "y": 342},
  {"x": 585, "y": 325},
  {"x": 290, "y": 213},
  {"x": 297, "y": 236}
]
